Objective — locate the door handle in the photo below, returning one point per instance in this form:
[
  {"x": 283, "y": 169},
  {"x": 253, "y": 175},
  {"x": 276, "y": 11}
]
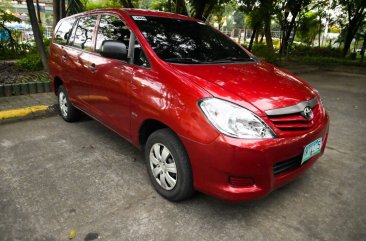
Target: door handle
[
  {"x": 92, "y": 67},
  {"x": 64, "y": 58}
]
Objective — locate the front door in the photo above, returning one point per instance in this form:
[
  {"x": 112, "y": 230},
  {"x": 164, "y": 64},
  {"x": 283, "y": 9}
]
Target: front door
[{"x": 109, "y": 92}]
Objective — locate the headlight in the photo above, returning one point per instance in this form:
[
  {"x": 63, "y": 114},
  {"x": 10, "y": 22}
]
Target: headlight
[
  {"x": 233, "y": 120},
  {"x": 321, "y": 101}
]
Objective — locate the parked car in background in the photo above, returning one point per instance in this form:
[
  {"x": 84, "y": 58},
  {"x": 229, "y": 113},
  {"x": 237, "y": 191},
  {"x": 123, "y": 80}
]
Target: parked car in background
[{"x": 208, "y": 114}]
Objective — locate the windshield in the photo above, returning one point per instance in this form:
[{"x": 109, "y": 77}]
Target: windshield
[{"x": 184, "y": 41}]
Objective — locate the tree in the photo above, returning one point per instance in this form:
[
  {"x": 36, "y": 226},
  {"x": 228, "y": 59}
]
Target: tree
[
  {"x": 292, "y": 7},
  {"x": 8, "y": 17},
  {"x": 127, "y": 3},
  {"x": 37, "y": 34},
  {"x": 259, "y": 14},
  {"x": 254, "y": 21},
  {"x": 267, "y": 11},
  {"x": 56, "y": 12},
  {"x": 307, "y": 28},
  {"x": 75, "y": 6},
  {"x": 38, "y": 13},
  {"x": 356, "y": 12},
  {"x": 180, "y": 7}
]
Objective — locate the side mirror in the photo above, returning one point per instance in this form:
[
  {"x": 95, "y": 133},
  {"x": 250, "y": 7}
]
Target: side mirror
[{"x": 114, "y": 49}]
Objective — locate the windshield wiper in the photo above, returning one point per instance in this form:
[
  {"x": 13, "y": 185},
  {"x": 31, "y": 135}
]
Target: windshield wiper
[
  {"x": 183, "y": 60},
  {"x": 233, "y": 59}
]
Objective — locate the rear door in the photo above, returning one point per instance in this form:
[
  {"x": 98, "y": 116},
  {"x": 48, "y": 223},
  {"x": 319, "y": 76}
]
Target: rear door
[
  {"x": 77, "y": 58},
  {"x": 58, "y": 49}
]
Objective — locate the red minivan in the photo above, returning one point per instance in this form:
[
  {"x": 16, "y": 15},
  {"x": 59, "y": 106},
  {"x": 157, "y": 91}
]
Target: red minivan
[{"x": 208, "y": 114}]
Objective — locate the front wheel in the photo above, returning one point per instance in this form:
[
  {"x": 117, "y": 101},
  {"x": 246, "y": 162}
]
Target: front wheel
[{"x": 168, "y": 165}]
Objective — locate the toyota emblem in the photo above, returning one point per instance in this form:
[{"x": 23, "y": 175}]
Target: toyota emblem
[{"x": 307, "y": 113}]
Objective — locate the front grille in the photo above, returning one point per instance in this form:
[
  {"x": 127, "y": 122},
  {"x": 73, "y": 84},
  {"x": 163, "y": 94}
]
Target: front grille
[
  {"x": 288, "y": 165},
  {"x": 296, "y": 121}
]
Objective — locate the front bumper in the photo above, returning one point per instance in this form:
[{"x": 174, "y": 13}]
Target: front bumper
[{"x": 215, "y": 163}]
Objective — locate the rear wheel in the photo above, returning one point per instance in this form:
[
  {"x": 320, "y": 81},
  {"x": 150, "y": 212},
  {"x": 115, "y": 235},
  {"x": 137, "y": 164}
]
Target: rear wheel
[
  {"x": 168, "y": 165},
  {"x": 68, "y": 112}
]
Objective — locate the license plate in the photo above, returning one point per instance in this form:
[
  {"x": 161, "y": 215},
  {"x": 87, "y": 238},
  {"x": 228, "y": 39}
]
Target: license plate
[{"x": 311, "y": 150}]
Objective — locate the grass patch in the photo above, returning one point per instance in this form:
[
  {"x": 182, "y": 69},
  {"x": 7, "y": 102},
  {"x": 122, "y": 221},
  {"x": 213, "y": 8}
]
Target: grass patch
[{"x": 326, "y": 61}]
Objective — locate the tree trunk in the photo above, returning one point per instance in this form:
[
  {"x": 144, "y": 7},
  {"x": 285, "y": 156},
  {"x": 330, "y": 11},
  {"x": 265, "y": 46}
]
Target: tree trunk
[
  {"x": 320, "y": 28},
  {"x": 37, "y": 34},
  {"x": 56, "y": 12},
  {"x": 169, "y": 5},
  {"x": 62, "y": 9},
  {"x": 286, "y": 38},
  {"x": 288, "y": 28},
  {"x": 180, "y": 7},
  {"x": 262, "y": 38},
  {"x": 363, "y": 48},
  {"x": 245, "y": 34},
  {"x": 126, "y": 3},
  {"x": 38, "y": 13},
  {"x": 353, "y": 26},
  {"x": 254, "y": 33},
  {"x": 256, "y": 39},
  {"x": 267, "y": 32},
  {"x": 293, "y": 34},
  {"x": 200, "y": 9},
  {"x": 129, "y": 4},
  {"x": 208, "y": 11}
]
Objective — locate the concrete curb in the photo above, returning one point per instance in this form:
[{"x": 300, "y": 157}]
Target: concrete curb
[
  {"x": 26, "y": 113},
  {"x": 24, "y": 88}
]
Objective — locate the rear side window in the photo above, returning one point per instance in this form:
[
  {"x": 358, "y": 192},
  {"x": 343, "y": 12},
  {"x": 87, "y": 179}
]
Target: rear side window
[
  {"x": 83, "y": 36},
  {"x": 111, "y": 28},
  {"x": 64, "y": 31}
]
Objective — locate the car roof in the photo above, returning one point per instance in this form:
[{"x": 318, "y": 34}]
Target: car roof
[{"x": 139, "y": 12}]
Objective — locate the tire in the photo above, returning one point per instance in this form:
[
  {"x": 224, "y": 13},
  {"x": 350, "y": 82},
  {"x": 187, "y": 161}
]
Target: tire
[
  {"x": 67, "y": 111},
  {"x": 164, "y": 144}
]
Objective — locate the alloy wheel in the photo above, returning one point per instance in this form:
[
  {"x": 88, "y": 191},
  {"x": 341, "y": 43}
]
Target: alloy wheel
[
  {"x": 63, "y": 104},
  {"x": 163, "y": 166}
]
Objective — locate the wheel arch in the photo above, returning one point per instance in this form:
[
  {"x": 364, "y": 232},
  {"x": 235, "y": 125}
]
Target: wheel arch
[{"x": 149, "y": 126}]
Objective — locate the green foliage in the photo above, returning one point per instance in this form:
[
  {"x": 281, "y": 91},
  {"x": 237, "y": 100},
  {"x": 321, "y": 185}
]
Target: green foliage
[
  {"x": 334, "y": 29},
  {"x": 308, "y": 28},
  {"x": 159, "y": 5},
  {"x": 90, "y": 5},
  {"x": 7, "y": 51},
  {"x": 262, "y": 51},
  {"x": 327, "y": 61},
  {"x": 46, "y": 42},
  {"x": 302, "y": 50},
  {"x": 7, "y": 17},
  {"x": 31, "y": 62},
  {"x": 8, "y": 48}
]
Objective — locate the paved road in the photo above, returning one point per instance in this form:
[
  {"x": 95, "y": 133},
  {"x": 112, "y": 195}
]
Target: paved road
[{"x": 56, "y": 176}]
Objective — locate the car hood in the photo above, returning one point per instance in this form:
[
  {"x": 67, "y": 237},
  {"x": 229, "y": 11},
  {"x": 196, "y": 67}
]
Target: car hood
[{"x": 261, "y": 84}]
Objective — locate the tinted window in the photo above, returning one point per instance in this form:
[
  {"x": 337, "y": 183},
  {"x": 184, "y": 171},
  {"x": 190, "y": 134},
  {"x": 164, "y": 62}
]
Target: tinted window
[
  {"x": 139, "y": 57},
  {"x": 63, "y": 31},
  {"x": 183, "y": 41},
  {"x": 111, "y": 28},
  {"x": 83, "y": 37}
]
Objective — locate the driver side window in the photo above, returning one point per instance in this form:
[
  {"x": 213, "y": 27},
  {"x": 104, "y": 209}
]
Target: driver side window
[{"x": 112, "y": 28}]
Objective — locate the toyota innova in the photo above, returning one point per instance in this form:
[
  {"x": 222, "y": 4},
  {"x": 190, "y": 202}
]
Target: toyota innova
[{"x": 208, "y": 115}]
